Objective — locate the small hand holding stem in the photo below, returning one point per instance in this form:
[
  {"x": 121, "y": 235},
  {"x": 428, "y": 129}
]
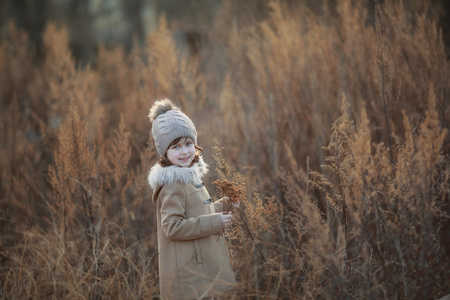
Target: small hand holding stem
[{"x": 226, "y": 219}]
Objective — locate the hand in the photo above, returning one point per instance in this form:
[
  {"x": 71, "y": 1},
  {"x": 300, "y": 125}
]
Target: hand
[{"x": 226, "y": 219}]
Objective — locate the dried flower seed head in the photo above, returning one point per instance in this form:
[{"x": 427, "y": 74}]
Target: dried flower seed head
[{"x": 233, "y": 193}]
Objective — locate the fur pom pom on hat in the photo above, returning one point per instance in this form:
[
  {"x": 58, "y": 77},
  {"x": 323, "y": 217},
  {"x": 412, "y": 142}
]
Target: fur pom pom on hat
[{"x": 168, "y": 124}]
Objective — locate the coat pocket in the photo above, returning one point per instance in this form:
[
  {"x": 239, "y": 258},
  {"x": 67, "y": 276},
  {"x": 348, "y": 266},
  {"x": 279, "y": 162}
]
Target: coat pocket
[
  {"x": 189, "y": 260},
  {"x": 198, "y": 251}
]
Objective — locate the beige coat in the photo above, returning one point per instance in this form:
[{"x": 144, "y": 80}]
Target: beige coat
[{"x": 193, "y": 258}]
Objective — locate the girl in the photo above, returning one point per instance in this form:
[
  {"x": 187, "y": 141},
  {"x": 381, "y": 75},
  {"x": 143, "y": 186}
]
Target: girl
[{"x": 193, "y": 258}]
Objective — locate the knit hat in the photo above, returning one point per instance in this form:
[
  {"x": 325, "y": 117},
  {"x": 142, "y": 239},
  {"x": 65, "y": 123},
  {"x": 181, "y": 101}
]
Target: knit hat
[{"x": 169, "y": 123}]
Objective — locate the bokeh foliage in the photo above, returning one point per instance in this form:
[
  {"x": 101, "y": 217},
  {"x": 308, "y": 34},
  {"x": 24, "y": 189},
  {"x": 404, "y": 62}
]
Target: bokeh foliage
[{"x": 335, "y": 122}]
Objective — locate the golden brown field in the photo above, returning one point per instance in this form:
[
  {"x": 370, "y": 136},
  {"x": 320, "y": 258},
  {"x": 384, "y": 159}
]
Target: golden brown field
[{"x": 335, "y": 123}]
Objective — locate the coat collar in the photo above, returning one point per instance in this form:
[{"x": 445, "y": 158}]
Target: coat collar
[{"x": 160, "y": 176}]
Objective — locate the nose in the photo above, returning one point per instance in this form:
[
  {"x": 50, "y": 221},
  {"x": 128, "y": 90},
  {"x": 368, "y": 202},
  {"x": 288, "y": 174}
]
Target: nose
[{"x": 184, "y": 149}]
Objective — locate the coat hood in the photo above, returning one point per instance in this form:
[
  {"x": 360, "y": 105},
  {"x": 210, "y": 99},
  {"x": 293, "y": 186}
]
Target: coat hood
[{"x": 160, "y": 176}]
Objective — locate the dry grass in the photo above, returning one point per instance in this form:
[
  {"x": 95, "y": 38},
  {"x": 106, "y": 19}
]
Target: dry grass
[{"x": 333, "y": 128}]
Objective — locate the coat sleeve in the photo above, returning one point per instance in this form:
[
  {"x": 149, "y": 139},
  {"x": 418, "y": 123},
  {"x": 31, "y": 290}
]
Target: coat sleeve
[
  {"x": 173, "y": 220},
  {"x": 218, "y": 205}
]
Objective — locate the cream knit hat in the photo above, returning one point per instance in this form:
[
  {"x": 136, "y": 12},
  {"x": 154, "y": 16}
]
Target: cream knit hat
[{"x": 169, "y": 123}]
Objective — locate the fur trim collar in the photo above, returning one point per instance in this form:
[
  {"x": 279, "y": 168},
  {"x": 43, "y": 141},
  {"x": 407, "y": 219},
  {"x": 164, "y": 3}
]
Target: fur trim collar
[{"x": 160, "y": 176}]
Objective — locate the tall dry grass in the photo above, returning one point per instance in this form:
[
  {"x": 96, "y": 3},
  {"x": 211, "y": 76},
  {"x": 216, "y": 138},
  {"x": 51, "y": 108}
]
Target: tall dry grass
[{"x": 334, "y": 120}]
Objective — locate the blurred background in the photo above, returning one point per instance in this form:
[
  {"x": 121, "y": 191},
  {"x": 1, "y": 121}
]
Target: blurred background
[
  {"x": 333, "y": 117},
  {"x": 118, "y": 22}
]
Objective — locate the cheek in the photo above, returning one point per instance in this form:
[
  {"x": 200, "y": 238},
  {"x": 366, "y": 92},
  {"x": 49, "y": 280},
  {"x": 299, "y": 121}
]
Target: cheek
[{"x": 171, "y": 155}]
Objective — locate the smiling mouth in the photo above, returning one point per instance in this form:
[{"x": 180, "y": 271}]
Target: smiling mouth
[{"x": 185, "y": 158}]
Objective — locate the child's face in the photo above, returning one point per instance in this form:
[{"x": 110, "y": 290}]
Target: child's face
[{"x": 182, "y": 153}]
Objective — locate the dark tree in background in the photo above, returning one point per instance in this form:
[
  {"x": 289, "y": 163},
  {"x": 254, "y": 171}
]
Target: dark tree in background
[{"x": 112, "y": 22}]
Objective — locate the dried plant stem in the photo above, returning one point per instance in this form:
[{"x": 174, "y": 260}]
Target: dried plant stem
[
  {"x": 386, "y": 79},
  {"x": 249, "y": 232}
]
